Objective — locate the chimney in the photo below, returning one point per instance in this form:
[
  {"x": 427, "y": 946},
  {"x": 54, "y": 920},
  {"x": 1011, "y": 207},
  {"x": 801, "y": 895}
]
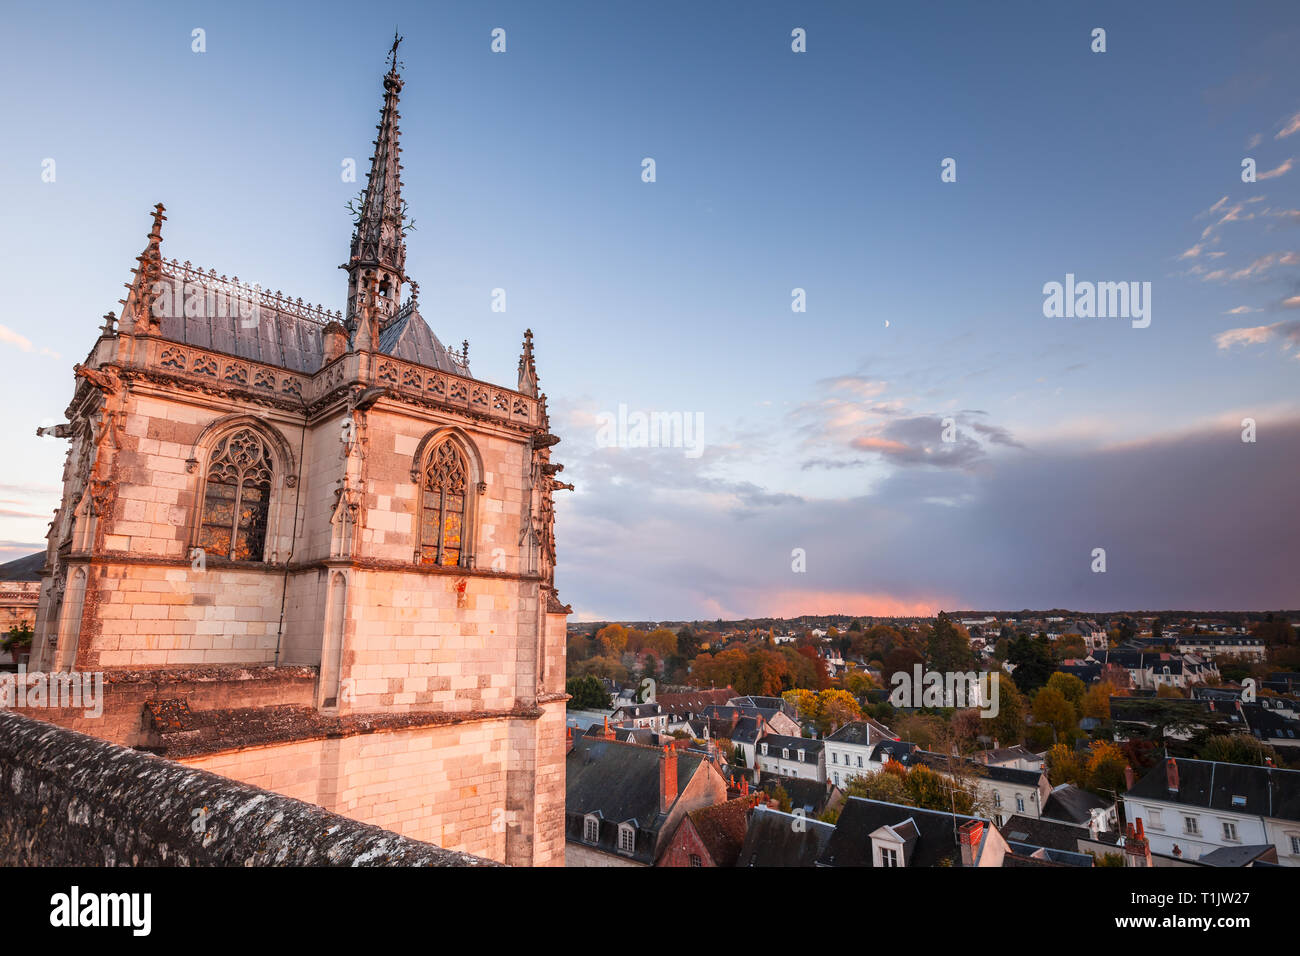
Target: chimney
[
  {"x": 1137, "y": 849},
  {"x": 1129, "y": 777},
  {"x": 335, "y": 337},
  {"x": 667, "y": 778},
  {"x": 969, "y": 835},
  {"x": 1171, "y": 772}
]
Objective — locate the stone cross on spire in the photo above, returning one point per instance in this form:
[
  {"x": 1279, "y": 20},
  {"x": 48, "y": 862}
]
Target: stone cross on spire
[
  {"x": 392, "y": 54},
  {"x": 378, "y": 246}
]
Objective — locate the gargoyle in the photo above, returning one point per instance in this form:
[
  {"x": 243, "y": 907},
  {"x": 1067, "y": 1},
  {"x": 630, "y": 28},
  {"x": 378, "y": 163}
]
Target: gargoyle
[{"x": 105, "y": 379}]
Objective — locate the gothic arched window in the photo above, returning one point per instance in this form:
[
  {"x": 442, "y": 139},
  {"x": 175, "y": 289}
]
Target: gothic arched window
[
  {"x": 237, "y": 497},
  {"x": 442, "y": 508}
]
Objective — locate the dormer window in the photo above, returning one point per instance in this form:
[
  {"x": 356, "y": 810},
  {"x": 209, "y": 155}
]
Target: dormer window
[
  {"x": 764, "y": 750},
  {"x": 591, "y": 828},
  {"x": 785, "y": 753},
  {"x": 626, "y": 838}
]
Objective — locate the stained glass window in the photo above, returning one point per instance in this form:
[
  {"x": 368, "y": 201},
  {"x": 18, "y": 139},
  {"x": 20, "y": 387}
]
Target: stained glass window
[
  {"x": 442, "y": 511},
  {"x": 237, "y": 498}
]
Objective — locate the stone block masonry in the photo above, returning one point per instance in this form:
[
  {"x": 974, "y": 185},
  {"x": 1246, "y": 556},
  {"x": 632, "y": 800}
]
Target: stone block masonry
[{"x": 67, "y": 799}]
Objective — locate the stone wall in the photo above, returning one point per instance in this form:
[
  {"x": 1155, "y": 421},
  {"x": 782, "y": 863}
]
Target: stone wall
[
  {"x": 67, "y": 799},
  {"x": 490, "y": 787}
]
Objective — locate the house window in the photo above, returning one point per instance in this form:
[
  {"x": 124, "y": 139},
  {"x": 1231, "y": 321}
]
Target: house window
[
  {"x": 1238, "y": 801},
  {"x": 591, "y": 829},
  {"x": 859, "y": 760},
  {"x": 997, "y": 799},
  {"x": 785, "y": 753},
  {"x": 626, "y": 838},
  {"x": 1295, "y": 846},
  {"x": 442, "y": 506},
  {"x": 837, "y": 783},
  {"x": 835, "y": 757},
  {"x": 696, "y": 861},
  {"x": 1229, "y": 830},
  {"x": 1191, "y": 825},
  {"x": 1154, "y": 820},
  {"x": 1020, "y": 803},
  {"x": 888, "y": 857},
  {"x": 237, "y": 497},
  {"x": 764, "y": 750}
]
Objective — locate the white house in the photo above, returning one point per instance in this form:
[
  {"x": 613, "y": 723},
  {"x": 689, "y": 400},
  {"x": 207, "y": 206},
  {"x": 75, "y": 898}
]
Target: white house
[
  {"x": 1193, "y": 807},
  {"x": 801, "y": 757}
]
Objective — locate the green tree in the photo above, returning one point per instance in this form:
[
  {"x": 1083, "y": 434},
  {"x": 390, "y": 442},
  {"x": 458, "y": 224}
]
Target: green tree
[
  {"x": 1033, "y": 661},
  {"x": 948, "y": 647},
  {"x": 1237, "y": 748},
  {"x": 587, "y": 693}
]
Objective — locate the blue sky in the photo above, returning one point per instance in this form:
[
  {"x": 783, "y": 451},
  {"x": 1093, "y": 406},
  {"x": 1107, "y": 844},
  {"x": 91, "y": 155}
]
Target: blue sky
[{"x": 775, "y": 170}]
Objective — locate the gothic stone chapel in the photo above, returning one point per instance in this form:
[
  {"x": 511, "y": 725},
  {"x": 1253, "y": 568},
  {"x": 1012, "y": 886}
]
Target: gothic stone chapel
[{"x": 311, "y": 552}]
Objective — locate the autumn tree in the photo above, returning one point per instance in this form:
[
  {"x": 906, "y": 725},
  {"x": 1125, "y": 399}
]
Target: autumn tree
[
  {"x": 611, "y": 640},
  {"x": 1063, "y": 766},
  {"x": 835, "y": 709},
  {"x": 1096, "y": 701},
  {"x": 1104, "y": 769},
  {"x": 883, "y": 785},
  {"x": 1071, "y": 687},
  {"x": 1053, "y": 712}
]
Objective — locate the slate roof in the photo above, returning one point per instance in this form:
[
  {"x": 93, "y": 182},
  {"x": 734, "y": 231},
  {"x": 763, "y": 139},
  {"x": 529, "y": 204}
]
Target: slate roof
[
  {"x": 277, "y": 338},
  {"x": 285, "y": 335},
  {"x": 899, "y": 750},
  {"x": 1051, "y": 834},
  {"x": 861, "y": 732},
  {"x": 1072, "y": 804},
  {"x": 940, "y": 762},
  {"x": 782, "y": 839},
  {"x": 409, "y": 338},
  {"x": 1239, "y": 855},
  {"x": 804, "y": 793},
  {"x": 850, "y": 845},
  {"x": 619, "y": 782},
  {"x": 694, "y": 701},
  {"x": 1268, "y": 791},
  {"x": 23, "y": 569},
  {"x": 809, "y": 745}
]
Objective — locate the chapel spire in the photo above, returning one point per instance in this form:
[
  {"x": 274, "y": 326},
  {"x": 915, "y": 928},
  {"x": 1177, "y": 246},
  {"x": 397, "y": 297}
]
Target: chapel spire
[{"x": 378, "y": 247}]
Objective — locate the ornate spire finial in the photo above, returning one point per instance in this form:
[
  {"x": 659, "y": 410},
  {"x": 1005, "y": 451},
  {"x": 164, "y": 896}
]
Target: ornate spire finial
[
  {"x": 148, "y": 274},
  {"x": 392, "y": 54},
  {"x": 527, "y": 367},
  {"x": 378, "y": 243},
  {"x": 158, "y": 219}
]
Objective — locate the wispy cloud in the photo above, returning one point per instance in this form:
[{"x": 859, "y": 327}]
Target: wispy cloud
[
  {"x": 1289, "y": 127},
  {"x": 9, "y": 337},
  {"x": 1287, "y": 331},
  {"x": 1280, "y": 170}
]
